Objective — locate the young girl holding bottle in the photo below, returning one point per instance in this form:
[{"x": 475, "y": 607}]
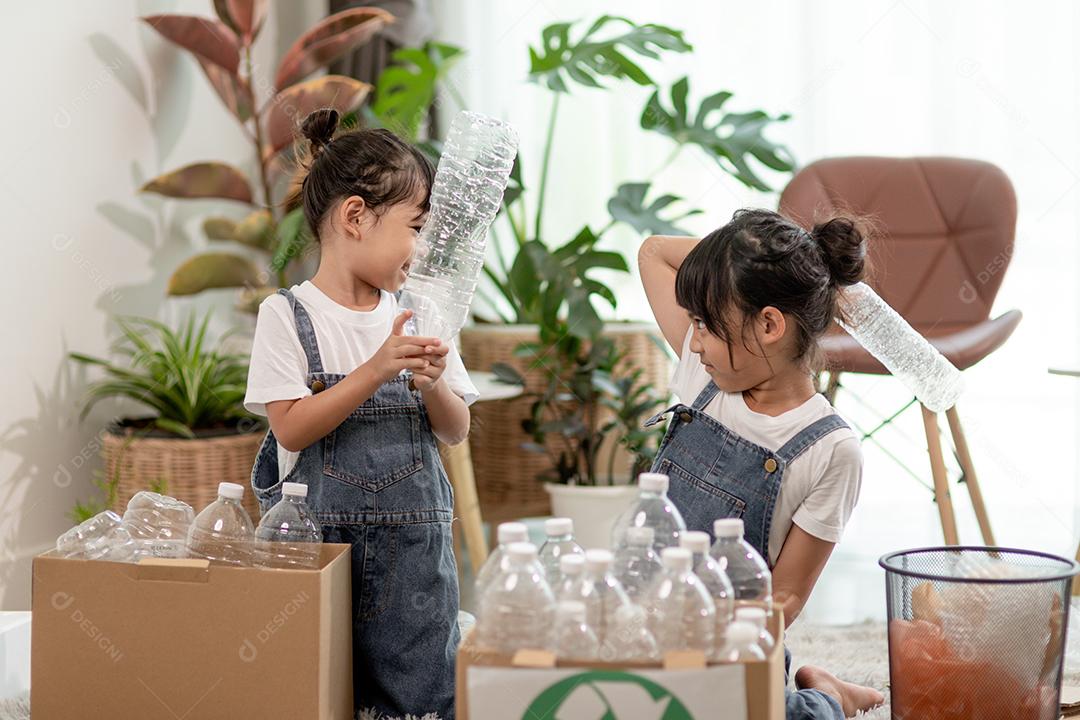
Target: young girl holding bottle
[
  {"x": 743, "y": 308},
  {"x": 355, "y": 407}
]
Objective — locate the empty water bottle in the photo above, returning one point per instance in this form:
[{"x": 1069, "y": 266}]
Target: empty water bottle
[
  {"x": 288, "y": 535},
  {"x": 473, "y": 171},
  {"x": 570, "y": 569},
  {"x": 682, "y": 616},
  {"x": 158, "y": 524},
  {"x": 899, "y": 347},
  {"x": 572, "y": 638},
  {"x": 516, "y": 608},
  {"x": 223, "y": 532},
  {"x": 636, "y": 564},
  {"x": 742, "y": 644},
  {"x": 559, "y": 543},
  {"x": 600, "y": 590},
  {"x": 102, "y": 537},
  {"x": 757, "y": 617},
  {"x": 507, "y": 533},
  {"x": 631, "y": 641},
  {"x": 746, "y": 569},
  {"x": 651, "y": 509},
  {"x": 714, "y": 579}
]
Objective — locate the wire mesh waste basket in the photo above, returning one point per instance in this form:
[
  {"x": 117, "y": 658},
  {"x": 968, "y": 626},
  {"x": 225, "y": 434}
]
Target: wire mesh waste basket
[{"x": 976, "y": 632}]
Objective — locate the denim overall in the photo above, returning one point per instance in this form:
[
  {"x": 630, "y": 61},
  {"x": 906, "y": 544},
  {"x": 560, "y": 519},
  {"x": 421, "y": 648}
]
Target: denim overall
[
  {"x": 377, "y": 482},
  {"x": 715, "y": 473}
]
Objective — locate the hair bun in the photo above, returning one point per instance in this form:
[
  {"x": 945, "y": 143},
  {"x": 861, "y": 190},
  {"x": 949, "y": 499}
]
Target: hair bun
[
  {"x": 318, "y": 127},
  {"x": 844, "y": 248}
]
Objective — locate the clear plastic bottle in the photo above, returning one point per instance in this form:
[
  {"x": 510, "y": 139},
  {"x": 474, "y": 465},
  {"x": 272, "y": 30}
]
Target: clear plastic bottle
[
  {"x": 223, "y": 532},
  {"x": 158, "y": 524},
  {"x": 899, "y": 347},
  {"x": 632, "y": 641},
  {"x": 757, "y": 617},
  {"x": 746, "y": 569},
  {"x": 571, "y": 568},
  {"x": 102, "y": 537},
  {"x": 507, "y": 533},
  {"x": 559, "y": 543},
  {"x": 636, "y": 564},
  {"x": 742, "y": 644},
  {"x": 573, "y": 639},
  {"x": 682, "y": 616},
  {"x": 600, "y": 590},
  {"x": 289, "y": 536},
  {"x": 516, "y": 608},
  {"x": 714, "y": 579},
  {"x": 651, "y": 509},
  {"x": 473, "y": 172}
]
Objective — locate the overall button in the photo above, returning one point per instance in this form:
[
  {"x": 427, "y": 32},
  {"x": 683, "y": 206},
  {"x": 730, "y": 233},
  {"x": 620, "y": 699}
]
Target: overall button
[
  {"x": 318, "y": 386},
  {"x": 685, "y": 417},
  {"x": 770, "y": 465}
]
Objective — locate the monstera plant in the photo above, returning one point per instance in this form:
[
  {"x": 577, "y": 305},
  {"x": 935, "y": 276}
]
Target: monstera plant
[{"x": 222, "y": 46}]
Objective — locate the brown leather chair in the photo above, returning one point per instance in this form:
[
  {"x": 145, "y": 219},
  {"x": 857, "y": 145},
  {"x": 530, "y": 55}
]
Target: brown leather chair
[{"x": 944, "y": 237}]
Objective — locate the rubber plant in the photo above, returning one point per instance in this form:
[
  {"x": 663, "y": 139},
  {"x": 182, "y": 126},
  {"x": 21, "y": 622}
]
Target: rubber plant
[{"x": 222, "y": 46}]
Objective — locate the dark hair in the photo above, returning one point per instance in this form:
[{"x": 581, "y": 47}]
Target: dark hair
[
  {"x": 374, "y": 164},
  {"x": 761, "y": 259}
]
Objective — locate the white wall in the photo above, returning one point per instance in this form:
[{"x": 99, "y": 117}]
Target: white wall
[{"x": 98, "y": 103}]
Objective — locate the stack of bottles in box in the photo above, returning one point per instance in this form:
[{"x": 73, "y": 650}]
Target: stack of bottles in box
[
  {"x": 155, "y": 525},
  {"x": 660, "y": 589}
]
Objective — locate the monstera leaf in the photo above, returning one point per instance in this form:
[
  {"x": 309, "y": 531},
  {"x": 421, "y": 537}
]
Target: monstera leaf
[
  {"x": 730, "y": 138},
  {"x": 329, "y": 40},
  {"x": 594, "y": 56},
  {"x": 629, "y": 206},
  {"x": 202, "y": 180},
  {"x": 406, "y": 88}
]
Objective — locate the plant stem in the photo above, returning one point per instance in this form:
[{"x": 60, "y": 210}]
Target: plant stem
[{"x": 548, "y": 142}]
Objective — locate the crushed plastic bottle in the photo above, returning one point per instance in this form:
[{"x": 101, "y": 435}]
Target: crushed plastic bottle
[
  {"x": 223, "y": 532},
  {"x": 651, "y": 509},
  {"x": 158, "y": 524},
  {"x": 102, "y": 537},
  {"x": 288, "y": 535},
  {"x": 559, "y": 543}
]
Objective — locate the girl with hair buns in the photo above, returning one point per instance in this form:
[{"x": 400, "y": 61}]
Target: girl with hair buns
[
  {"x": 743, "y": 308},
  {"x": 328, "y": 369}
]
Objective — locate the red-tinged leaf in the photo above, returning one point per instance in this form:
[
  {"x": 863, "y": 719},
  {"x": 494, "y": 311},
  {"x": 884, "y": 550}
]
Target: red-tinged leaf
[
  {"x": 232, "y": 89},
  {"x": 244, "y": 17},
  {"x": 328, "y": 40},
  {"x": 289, "y": 107},
  {"x": 202, "y": 180},
  {"x": 214, "y": 270},
  {"x": 209, "y": 39}
]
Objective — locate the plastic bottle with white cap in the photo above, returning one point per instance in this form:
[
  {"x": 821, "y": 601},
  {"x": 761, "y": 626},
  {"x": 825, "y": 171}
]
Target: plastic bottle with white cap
[
  {"x": 507, "y": 533},
  {"x": 289, "y": 536},
  {"x": 571, "y": 568},
  {"x": 572, "y": 638},
  {"x": 757, "y": 617},
  {"x": 742, "y": 644},
  {"x": 223, "y": 532},
  {"x": 714, "y": 579},
  {"x": 600, "y": 590},
  {"x": 515, "y": 610},
  {"x": 632, "y": 641},
  {"x": 636, "y": 563},
  {"x": 682, "y": 616},
  {"x": 654, "y": 509},
  {"x": 746, "y": 569},
  {"x": 559, "y": 543}
]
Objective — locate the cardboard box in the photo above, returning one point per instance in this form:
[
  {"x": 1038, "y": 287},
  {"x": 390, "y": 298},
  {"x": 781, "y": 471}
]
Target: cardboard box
[
  {"x": 171, "y": 639},
  {"x": 492, "y": 686}
]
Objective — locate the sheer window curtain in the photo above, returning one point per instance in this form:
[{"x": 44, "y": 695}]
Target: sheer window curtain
[{"x": 995, "y": 81}]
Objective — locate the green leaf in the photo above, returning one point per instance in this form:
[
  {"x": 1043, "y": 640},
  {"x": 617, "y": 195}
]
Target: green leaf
[
  {"x": 293, "y": 238},
  {"x": 596, "y": 55},
  {"x": 507, "y": 374},
  {"x": 174, "y": 427},
  {"x": 405, "y": 89},
  {"x": 628, "y": 206},
  {"x": 730, "y": 139}
]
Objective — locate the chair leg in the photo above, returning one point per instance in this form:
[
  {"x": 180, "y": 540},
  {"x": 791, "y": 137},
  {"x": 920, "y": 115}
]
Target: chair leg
[
  {"x": 459, "y": 468},
  {"x": 941, "y": 479},
  {"x": 972, "y": 482}
]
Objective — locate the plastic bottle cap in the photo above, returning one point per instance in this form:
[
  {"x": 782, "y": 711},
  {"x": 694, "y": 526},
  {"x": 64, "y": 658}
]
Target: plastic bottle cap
[
  {"x": 294, "y": 489},
  {"x": 233, "y": 491},
  {"x": 728, "y": 528},
  {"x": 523, "y": 551},
  {"x": 559, "y": 526},
  {"x": 598, "y": 559},
  {"x": 571, "y": 564},
  {"x": 676, "y": 558},
  {"x": 742, "y": 633},
  {"x": 653, "y": 482},
  {"x": 511, "y": 532},
  {"x": 571, "y": 609},
  {"x": 695, "y": 541},
  {"x": 640, "y": 535}
]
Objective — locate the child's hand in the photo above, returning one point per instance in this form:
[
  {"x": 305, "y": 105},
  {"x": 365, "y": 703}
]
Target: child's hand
[
  {"x": 404, "y": 352},
  {"x": 425, "y": 379}
]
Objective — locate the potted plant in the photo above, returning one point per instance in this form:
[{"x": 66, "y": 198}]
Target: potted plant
[{"x": 195, "y": 433}]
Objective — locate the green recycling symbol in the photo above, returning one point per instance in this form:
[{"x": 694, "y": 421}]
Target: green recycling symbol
[{"x": 591, "y": 684}]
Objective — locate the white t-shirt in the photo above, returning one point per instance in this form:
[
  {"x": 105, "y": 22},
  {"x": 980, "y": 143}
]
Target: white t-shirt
[
  {"x": 347, "y": 339},
  {"x": 820, "y": 487}
]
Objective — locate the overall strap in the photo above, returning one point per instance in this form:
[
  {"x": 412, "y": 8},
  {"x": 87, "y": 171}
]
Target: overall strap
[
  {"x": 705, "y": 396},
  {"x": 305, "y": 331},
  {"x": 809, "y": 435}
]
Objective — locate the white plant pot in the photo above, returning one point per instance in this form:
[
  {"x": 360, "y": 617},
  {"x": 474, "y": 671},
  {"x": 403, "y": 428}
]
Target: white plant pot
[{"x": 593, "y": 509}]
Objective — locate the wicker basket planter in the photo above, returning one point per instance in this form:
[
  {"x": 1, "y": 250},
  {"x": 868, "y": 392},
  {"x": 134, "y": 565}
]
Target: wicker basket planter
[
  {"x": 190, "y": 468},
  {"x": 507, "y": 476}
]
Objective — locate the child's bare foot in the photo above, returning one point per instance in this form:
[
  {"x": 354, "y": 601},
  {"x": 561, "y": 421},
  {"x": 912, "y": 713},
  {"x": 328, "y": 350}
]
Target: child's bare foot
[{"x": 853, "y": 698}]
